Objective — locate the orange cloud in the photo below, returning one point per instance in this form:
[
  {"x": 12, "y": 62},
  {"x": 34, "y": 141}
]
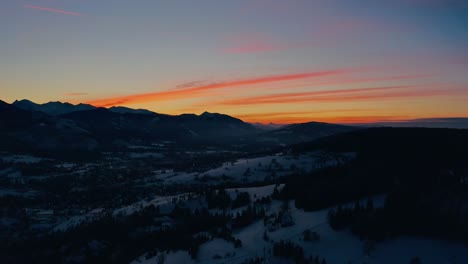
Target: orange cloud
[
  {"x": 189, "y": 84},
  {"x": 276, "y": 114},
  {"x": 294, "y": 97},
  {"x": 373, "y": 93},
  {"x": 196, "y": 91},
  {"x": 64, "y": 12},
  {"x": 373, "y": 79}
]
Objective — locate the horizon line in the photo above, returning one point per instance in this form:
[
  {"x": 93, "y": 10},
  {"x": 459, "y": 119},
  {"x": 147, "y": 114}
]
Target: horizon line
[{"x": 345, "y": 120}]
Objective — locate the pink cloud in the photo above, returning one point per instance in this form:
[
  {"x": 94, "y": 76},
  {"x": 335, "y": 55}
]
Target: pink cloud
[
  {"x": 345, "y": 95},
  {"x": 53, "y": 10},
  {"x": 193, "y": 90},
  {"x": 190, "y": 84}
]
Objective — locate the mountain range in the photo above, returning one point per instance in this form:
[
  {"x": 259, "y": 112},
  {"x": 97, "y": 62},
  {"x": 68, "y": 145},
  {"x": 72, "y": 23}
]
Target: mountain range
[
  {"x": 445, "y": 122},
  {"x": 56, "y": 125}
]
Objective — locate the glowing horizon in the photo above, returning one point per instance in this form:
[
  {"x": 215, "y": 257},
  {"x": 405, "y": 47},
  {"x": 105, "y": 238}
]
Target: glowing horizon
[{"x": 258, "y": 60}]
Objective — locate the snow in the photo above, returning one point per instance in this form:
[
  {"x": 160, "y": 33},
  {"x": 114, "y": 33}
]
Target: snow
[
  {"x": 93, "y": 215},
  {"x": 97, "y": 211},
  {"x": 139, "y": 155},
  {"x": 258, "y": 192},
  {"x": 138, "y": 147},
  {"x": 21, "y": 159},
  {"x": 46, "y": 212},
  {"x": 177, "y": 257},
  {"x": 75, "y": 221},
  {"x": 170, "y": 176},
  {"x": 66, "y": 165},
  {"x": 335, "y": 246},
  {"x": 157, "y": 201},
  {"x": 252, "y": 241},
  {"x": 216, "y": 249},
  {"x": 13, "y": 192},
  {"x": 255, "y": 169}
]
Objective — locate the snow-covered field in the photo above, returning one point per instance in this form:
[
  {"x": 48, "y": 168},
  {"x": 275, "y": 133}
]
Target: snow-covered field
[
  {"x": 13, "y": 192},
  {"x": 75, "y": 221},
  {"x": 254, "y": 192},
  {"x": 253, "y": 169},
  {"x": 257, "y": 169},
  {"x": 20, "y": 158},
  {"x": 139, "y": 155},
  {"x": 335, "y": 246},
  {"x": 160, "y": 201}
]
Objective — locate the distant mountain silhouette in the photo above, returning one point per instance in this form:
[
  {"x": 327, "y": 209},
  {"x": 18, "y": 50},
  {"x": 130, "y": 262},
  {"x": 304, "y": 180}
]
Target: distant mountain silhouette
[
  {"x": 32, "y": 130},
  {"x": 390, "y": 141},
  {"x": 108, "y": 125},
  {"x": 55, "y": 125},
  {"x": 3, "y": 104},
  {"x": 447, "y": 122},
  {"x": 269, "y": 126},
  {"x": 124, "y": 110},
  {"x": 295, "y": 133},
  {"x": 52, "y": 108}
]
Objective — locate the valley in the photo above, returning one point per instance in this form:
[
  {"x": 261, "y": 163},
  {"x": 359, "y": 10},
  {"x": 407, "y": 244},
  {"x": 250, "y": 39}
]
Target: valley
[{"x": 304, "y": 193}]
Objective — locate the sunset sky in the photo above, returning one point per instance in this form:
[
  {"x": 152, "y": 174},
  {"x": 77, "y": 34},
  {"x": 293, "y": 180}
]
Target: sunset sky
[{"x": 281, "y": 61}]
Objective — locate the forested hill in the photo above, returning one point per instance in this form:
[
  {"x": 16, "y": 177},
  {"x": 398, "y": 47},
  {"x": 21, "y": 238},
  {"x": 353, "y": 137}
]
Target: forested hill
[
  {"x": 424, "y": 172},
  {"x": 422, "y": 146}
]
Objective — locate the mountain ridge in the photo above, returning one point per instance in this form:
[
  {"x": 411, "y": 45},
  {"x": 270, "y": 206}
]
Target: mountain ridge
[
  {"x": 52, "y": 108},
  {"x": 121, "y": 126}
]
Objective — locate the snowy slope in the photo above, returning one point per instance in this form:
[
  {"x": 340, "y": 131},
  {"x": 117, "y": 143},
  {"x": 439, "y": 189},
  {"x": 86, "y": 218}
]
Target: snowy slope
[{"x": 336, "y": 247}]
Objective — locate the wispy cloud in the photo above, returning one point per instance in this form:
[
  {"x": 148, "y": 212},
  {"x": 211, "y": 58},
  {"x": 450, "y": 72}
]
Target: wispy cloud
[
  {"x": 275, "y": 115},
  {"x": 377, "y": 79},
  {"x": 372, "y": 93},
  {"x": 196, "y": 91},
  {"x": 189, "y": 84},
  {"x": 48, "y": 9},
  {"x": 304, "y": 96}
]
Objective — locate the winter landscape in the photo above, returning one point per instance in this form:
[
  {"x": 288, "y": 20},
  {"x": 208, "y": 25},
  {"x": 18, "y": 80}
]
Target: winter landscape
[
  {"x": 142, "y": 195},
  {"x": 234, "y": 132}
]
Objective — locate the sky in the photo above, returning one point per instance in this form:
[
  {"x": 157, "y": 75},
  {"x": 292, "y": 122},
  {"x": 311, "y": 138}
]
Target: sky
[{"x": 341, "y": 61}]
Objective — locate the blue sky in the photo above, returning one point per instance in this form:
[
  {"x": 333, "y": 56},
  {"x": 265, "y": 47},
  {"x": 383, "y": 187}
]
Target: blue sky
[{"x": 391, "y": 60}]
